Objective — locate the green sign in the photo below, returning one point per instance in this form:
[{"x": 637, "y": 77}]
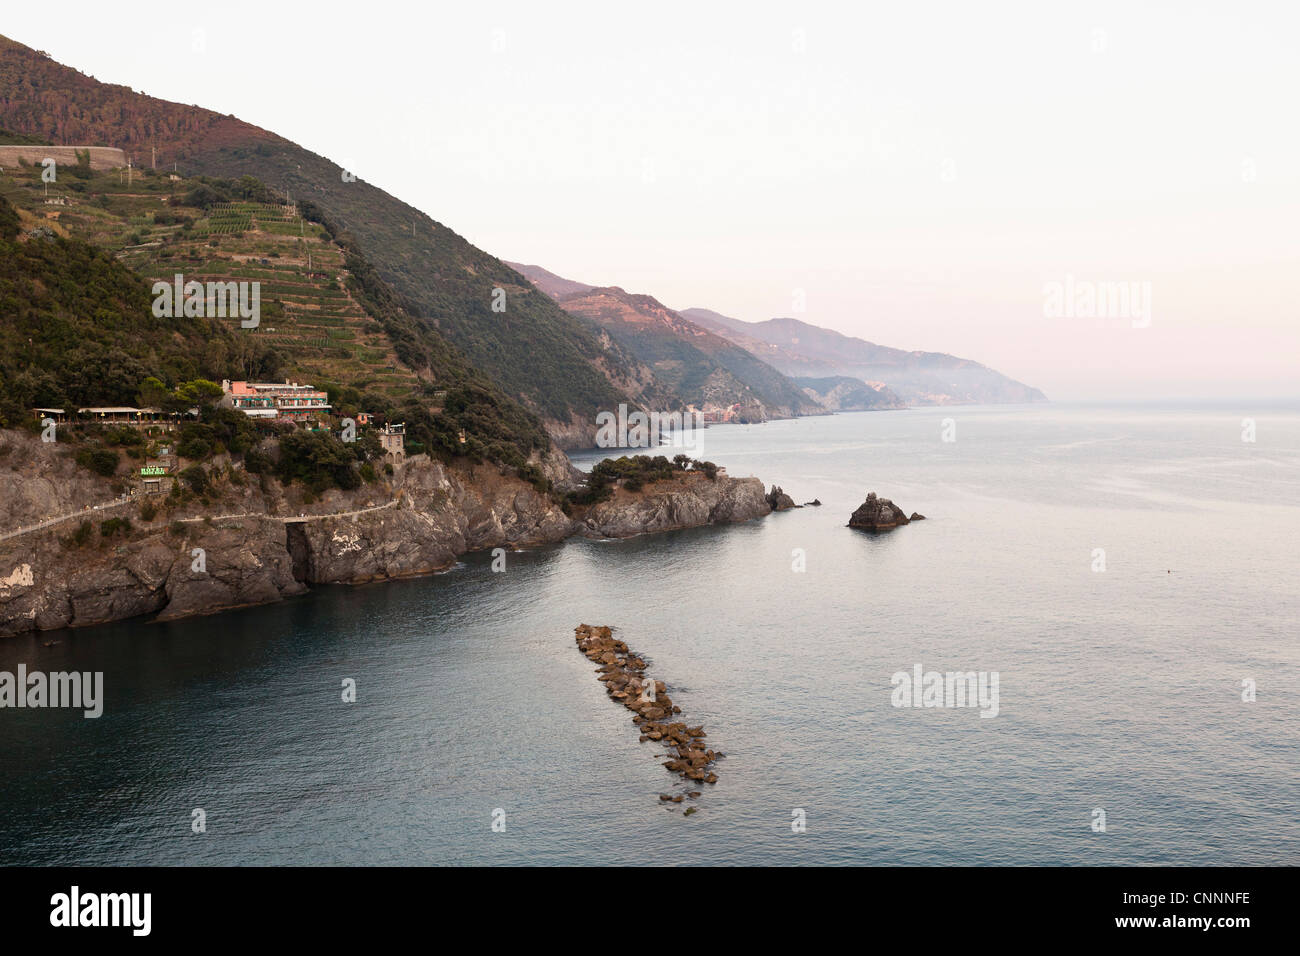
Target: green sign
[{"x": 153, "y": 470}]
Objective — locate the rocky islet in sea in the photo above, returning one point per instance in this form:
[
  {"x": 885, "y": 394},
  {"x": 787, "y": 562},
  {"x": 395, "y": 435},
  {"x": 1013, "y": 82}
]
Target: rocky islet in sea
[
  {"x": 880, "y": 514},
  {"x": 778, "y": 500}
]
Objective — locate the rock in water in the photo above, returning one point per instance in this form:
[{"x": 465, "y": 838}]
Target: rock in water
[
  {"x": 778, "y": 500},
  {"x": 916, "y": 517},
  {"x": 877, "y": 514},
  {"x": 623, "y": 672}
]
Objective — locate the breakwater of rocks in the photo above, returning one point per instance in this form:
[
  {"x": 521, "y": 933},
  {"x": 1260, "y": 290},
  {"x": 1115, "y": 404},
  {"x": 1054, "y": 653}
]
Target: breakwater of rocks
[{"x": 623, "y": 672}]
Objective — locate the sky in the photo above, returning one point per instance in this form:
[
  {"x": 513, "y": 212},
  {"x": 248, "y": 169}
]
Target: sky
[{"x": 927, "y": 176}]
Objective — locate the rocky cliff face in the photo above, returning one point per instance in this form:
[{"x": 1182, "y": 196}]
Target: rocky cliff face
[
  {"x": 687, "y": 502},
  {"x": 260, "y": 542},
  {"x": 572, "y": 433}
]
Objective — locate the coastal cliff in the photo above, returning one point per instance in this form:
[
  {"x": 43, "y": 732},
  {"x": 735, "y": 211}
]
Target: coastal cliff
[
  {"x": 688, "y": 501},
  {"x": 258, "y": 541}
]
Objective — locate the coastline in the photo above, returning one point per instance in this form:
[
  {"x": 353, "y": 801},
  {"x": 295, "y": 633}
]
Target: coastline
[{"x": 267, "y": 546}]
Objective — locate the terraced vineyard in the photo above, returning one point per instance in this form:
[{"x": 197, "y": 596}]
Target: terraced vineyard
[{"x": 307, "y": 312}]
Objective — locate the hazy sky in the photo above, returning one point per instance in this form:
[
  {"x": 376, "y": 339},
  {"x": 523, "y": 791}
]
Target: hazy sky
[{"x": 914, "y": 174}]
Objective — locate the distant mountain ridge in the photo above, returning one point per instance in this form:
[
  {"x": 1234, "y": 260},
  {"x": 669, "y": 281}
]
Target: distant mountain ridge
[
  {"x": 836, "y": 371},
  {"x": 843, "y": 393},
  {"x": 703, "y": 369},
  {"x": 801, "y": 350}
]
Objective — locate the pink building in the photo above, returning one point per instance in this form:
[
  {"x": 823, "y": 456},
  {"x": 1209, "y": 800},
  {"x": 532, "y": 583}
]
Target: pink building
[{"x": 288, "y": 401}]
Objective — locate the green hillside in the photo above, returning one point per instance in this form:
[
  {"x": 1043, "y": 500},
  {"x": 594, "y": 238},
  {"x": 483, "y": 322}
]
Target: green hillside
[
  {"x": 554, "y": 363},
  {"x": 78, "y": 326},
  {"x": 534, "y": 350}
]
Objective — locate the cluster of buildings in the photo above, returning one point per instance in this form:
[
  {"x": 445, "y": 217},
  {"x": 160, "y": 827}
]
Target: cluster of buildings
[
  {"x": 718, "y": 414},
  {"x": 303, "y": 405},
  {"x": 286, "y": 401},
  {"x": 115, "y": 415}
]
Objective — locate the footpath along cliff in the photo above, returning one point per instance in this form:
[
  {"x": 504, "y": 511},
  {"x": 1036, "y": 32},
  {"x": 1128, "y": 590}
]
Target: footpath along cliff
[{"x": 258, "y": 541}]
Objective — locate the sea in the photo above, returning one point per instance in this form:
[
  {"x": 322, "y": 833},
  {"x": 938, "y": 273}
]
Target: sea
[{"x": 1126, "y": 573}]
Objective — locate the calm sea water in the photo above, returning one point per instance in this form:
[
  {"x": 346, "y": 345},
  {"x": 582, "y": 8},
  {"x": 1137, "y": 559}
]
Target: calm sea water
[{"x": 1119, "y": 690}]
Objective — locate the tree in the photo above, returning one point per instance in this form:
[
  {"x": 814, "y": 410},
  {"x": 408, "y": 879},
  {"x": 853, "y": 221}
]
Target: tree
[
  {"x": 153, "y": 393},
  {"x": 102, "y": 461},
  {"x": 199, "y": 391},
  {"x": 196, "y": 478}
]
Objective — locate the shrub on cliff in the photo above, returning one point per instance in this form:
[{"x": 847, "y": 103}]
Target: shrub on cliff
[
  {"x": 638, "y": 468},
  {"x": 80, "y": 537},
  {"x": 533, "y": 475},
  {"x": 319, "y": 460},
  {"x": 196, "y": 478},
  {"x": 192, "y": 446},
  {"x": 257, "y": 462},
  {"x": 218, "y": 429},
  {"x": 102, "y": 461},
  {"x": 124, "y": 436},
  {"x": 111, "y": 527},
  {"x": 588, "y": 496}
]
